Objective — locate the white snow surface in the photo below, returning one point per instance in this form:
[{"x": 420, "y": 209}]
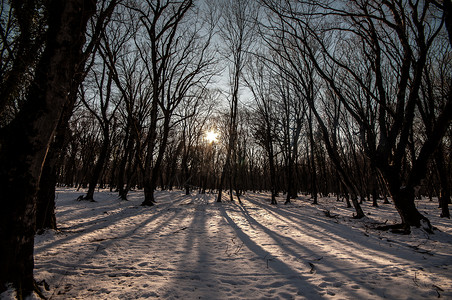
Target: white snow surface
[{"x": 190, "y": 247}]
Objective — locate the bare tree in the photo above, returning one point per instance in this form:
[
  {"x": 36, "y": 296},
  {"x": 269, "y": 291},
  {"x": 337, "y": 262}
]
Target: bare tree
[
  {"x": 25, "y": 141},
  {"x": 258, "y": 80},
  {"x": 236, "y": 29},
  {"x": 161, "y": 21},
  {"x": 434, "y": 93},
  {"x": 377, "y": 40},
  {"x": 102, "y": 106},
  {"x": 313, "y": 164},
  {"x": 177, "y": 59},
  {"x": 193, "y": 129},
  {"x": 119, "y": 52},
  {"x": 291, "y": 112},
  {"x": 45, "y": 210},
  {"x": 22, "y": 36},
  {"x": 288, "y": 40}
]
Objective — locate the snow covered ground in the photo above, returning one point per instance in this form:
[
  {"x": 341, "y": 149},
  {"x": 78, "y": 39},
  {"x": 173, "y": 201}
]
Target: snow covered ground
[{"x": 189, "y": 247}]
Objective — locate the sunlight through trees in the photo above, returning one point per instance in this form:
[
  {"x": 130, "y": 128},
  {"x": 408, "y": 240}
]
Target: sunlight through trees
[{"x": 351, "y": 99}]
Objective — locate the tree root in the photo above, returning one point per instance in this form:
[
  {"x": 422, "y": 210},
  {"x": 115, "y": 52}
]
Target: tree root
[
  {"x": 406, "y": 229},
  {"x": 426, "y": 225},
  {"x": 38, "y": 290}
]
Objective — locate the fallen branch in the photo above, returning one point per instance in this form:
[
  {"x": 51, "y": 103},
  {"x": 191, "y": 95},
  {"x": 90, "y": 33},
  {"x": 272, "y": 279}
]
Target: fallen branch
[
  {"x": 103, "y": 239},
  {"x": 420, "y": 250},
  {"x": 179, "y": 230},
  {"x": 329, "y": 215},
  {"x": 174, "y": 232},
  {"x": 437, "y": 289},
  {"x": 313, "y": 268}
]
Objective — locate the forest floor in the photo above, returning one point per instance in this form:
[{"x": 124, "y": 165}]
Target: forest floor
[{"x": 190, "y": 247}]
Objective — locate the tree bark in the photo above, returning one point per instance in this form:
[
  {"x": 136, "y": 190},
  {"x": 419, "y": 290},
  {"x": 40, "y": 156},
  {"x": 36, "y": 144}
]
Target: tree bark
[
  {"x": 25, "y": 141},
  {"x": 403, "y": 197},
  {"x": 404, "y": 202},
  {"x": 45, "y": 200},
  {"x": 45, "y": 209}
]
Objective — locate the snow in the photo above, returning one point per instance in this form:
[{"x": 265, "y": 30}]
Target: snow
[
  {"x": 190, "y": 247},
  {"x": 9, "y": 293}
]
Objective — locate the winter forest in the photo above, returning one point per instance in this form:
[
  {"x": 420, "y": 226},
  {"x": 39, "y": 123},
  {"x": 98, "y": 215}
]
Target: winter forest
[{"x": 230, "y": 149}]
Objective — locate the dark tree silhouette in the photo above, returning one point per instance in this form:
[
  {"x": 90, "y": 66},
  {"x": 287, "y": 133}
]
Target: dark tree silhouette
[{"x": 25, "y": 141}]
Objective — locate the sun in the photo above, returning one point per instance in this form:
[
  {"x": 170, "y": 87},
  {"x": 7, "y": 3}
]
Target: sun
[{"x": 211, "y": 136}]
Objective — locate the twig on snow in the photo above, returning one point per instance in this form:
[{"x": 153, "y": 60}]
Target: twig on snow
[
  {"x": 415, "y": 279},
  {"x": 313, "y": 268},
  {"x": 437, "y": 289},
  {"x": 329, "y": 215}
]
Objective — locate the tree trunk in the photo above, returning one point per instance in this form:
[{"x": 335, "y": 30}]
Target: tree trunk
[
  {"x": 290, "y": 181},
  {"x": 147, "y": 171},
  {"x": 71, "y": 165},
  {"x": 128, "y": 146},
  {"x": 404, "y": 202},
  {"x": 374, "y": 194},
  {"x": 98, "y": 167},
  {"x": 272, "y": 176},
  {"x": 173, "y": 167},
  {"x": 45, "y": 209},
  {"x": 45, "y": 200},
  {"x": 227, "y": 166},
  {"x": 347, "y": 200},
  {"x": 444, "y": 195},
  {"x": 186, "y": 172},
  {"x": 444, "y": 201},
  {"x": 151, "y": 184},
  {"x": 148, "y": 196},
  {"x": 222, "y": 178},
  {"x": 313, "y": 164},
  {"x": 25, "y": 141}
]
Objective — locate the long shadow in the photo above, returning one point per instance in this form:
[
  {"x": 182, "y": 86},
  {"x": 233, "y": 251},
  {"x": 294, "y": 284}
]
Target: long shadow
[
  {"x": 309, "y": 225},
  {"x": 294, "y": 248},
  {"x": 197, "y": 212},
  {"x": 194, "y": 266},
  {"x": 338, "y": 232},
  {"x": 313, "y": 225},
  {"x": 284, "y": 242},
  {"x": 67, "y": 267},
  {"x": 293, "y": 277},
  {"x": 363, "y": 245},
  {"x": 113, "y": 218}
]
